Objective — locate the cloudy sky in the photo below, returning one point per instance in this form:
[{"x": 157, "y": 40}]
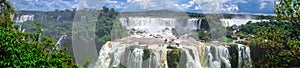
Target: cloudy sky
[{"x": 213, "y": 6}]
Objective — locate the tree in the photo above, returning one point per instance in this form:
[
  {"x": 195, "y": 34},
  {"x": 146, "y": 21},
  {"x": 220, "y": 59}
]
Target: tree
[
  {"x": 22, "y": 49},
  {"x": 288, "y": 11},
  {"x": 277, "y": 43}
]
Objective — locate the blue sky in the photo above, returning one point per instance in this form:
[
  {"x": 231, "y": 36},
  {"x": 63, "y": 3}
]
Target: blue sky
[{"x": 213, "y": 6}]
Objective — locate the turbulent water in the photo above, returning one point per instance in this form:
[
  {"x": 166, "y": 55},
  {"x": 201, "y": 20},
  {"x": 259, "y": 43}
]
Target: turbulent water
[
  {"x": 198, "y": 56},
  {"x": 149, "y": 49}
]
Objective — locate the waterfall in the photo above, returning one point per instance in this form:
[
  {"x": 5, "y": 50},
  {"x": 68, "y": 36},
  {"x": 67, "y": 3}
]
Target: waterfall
[
  {"x": 135, "y": 58},
  {"x": 150, "y": 52},
  {"x": 224, "y": 56},
  {"x": 23, "y": 18},
  {"x": 147, "y": 23},
  {"x": 44, "y": 17},
  {"x": 83, "y": 18},
  {"x": 244, "y": 58},
  {"x": 213, "y": 57},
  {"x": 194, "y": 23},
  {"x": 230, "y": 22},
  {"x": 191, "y": 61},
  {"x": 104, "y": 56},
  {"x": 199, "y": 56},
  {"x": 59, "y": 42},
  {"x": 58, "y": 18},
  {"x": 109, "y": 55}
]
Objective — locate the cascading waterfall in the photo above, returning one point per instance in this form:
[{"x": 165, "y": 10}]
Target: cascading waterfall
[
  {"x": 135, "y": 58},
  {"x": 109, "y": 56},
  {"x": 104, "y": 56},
  {"x": 214, "y": 61},
  {"x": 224, "y": 56},
  {"x": 244, "y": 58},
  {"x": 190, "y": 61},
  {"x": 123, "y": 53},
  {"x": 200, "y": 56}
]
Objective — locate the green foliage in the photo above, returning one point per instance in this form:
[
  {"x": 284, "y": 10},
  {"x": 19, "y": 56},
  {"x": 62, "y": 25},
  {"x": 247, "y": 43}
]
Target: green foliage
[
  {"x": 108, "y": 27},
  {"x": 276, "y": 44},
  {"x": 242, "y": 42},
  {"x": 173, "y": 58},
  {"x": 147, "y": 53},
  {"x": 28, "y": 50},
  {"x": 171, "y": 47},
  {"x": 288, "y": 11},
  {"x": 232, "y": 45},
  {"x": 115, "y": 67},
  {"x": 202, "y": 35},
  {"x": 6, "y": 11},
  {"x": 228, "y": 40}
]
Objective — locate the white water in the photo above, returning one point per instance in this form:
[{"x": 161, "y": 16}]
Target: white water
[
  {"x": 224, "y": 56},
  {"x": 59, "y": 42},
  {"x": 244, "y": 58},
  {"x": 230, "y": 22},
  {"x": 200, "y": 56},
  {"x": 58, "y": 18},
  {"x": 83, "y": 18},
  {"x": 147, "y": 23},
  {"x": 135, "y": 58},
  {"x": 194, "y": 23},
  {"x": 23, "y": 18}
]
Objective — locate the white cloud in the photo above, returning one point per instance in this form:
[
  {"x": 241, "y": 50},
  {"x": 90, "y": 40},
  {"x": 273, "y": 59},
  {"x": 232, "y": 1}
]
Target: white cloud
[
  {"x": 96, "y": 4},
  {"x": 262, "y": 5},
  {"x": 229, "y": 8},
  {"x": 140, "y": 5},
  {"x": 47, "y": 5},
  {"x": 209, "y": 5},
  {"x": 145, "y": 5},
  {"x": 112, "y": 2}
]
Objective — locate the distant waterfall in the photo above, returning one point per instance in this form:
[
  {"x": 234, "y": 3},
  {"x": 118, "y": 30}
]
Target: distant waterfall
[
  {"x": 58, "y": 18},
  {"x": 44, "y": 17},
  {"x": 23, "y": 18},
  {"x": 194, "y": 23},
  {"x": 147, "y": 23},
  {"x": 83, "y": 18}
]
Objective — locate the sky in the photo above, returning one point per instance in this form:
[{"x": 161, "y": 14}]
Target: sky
[{"x": 201, "y": 6}]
